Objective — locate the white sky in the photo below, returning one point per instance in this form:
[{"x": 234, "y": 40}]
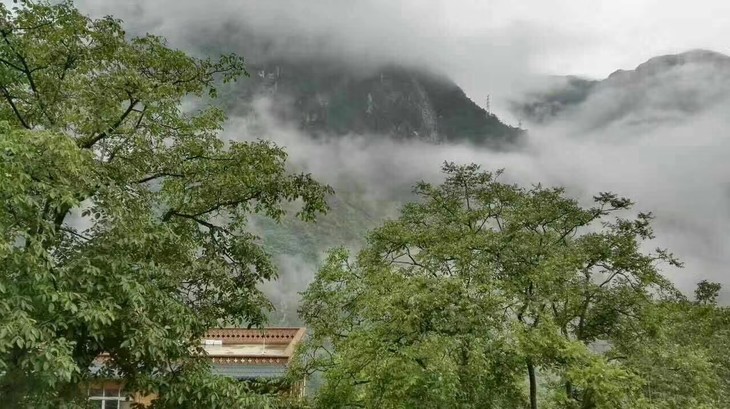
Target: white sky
[
  {"x": 599, "y": 36},
  {"x": 587, "y": 37},
  {"x": 489, "y": 47},
  {"x": 496, "y": 47}
]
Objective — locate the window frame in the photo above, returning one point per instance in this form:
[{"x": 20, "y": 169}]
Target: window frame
[{"x": 104, "y": 397}]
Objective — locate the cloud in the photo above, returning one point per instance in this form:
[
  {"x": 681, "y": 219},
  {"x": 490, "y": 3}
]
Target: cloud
[
  {"x": 493, "y": 56},
  {"x": 664, "y": 89},
  {"x": 660, "y": 135},
  {"x": 676, "y": 169},
  {"x": 488, "y": 47},
  {"x": 641, "y": 143},
  {"x": 284, "y": 293}
]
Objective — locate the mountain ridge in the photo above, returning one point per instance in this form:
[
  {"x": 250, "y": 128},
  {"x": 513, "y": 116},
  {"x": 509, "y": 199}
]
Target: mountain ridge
[
  {"x": 659, "y": 80},
  {"x": 392, "y": 101}
]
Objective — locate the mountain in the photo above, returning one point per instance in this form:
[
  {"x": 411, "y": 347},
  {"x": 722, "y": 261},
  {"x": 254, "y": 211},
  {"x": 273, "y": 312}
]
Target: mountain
[
  {"x": 663, "y": 88},
  {"x": 659, "y": 65},
  {"x": 326, "y": 100},
  {"x": 545, "y": 105},
  {"x": 394, "y": 102}
]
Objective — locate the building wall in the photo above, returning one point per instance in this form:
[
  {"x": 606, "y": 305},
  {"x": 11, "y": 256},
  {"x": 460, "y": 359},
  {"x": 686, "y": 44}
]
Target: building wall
[
  {"x": 113, "y": 385},
  {"x": 234, "y": 358}
]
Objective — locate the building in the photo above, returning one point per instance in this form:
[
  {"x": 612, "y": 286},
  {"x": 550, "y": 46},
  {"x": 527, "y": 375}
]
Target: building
[{"x": 244, "y": 354}]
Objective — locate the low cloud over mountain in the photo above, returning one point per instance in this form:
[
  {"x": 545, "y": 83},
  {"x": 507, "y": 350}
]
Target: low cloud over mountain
[{"x": 657, "y": 133}]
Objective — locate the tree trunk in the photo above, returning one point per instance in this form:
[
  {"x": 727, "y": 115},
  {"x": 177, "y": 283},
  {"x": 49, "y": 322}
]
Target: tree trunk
[
  {"x": 533, "y": 383},
  {"x": 588, "y": 402}
]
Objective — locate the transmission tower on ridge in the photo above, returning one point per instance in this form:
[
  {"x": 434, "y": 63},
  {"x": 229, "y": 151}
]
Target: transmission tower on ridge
[{"x": 489, "y": 111}]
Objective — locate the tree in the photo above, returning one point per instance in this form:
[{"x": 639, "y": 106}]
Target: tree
[
  {"x": 123, "y": 219},
  {"x": 480, "y": 286},
  {"x": 683, "y": 358},
  {"x": 384, "y": 338},
  {"x": 707, "y": 292}
]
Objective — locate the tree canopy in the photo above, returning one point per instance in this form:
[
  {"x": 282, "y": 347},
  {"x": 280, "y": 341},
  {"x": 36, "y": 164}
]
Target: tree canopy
[
  {"x": 123, "y": 230},
  {"x": 123, "y": 218},
  {"x": 484, "y": 294}
]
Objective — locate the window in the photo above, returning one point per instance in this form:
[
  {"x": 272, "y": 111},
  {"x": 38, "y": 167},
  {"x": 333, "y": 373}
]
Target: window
[{"x": 108, "y": 396}]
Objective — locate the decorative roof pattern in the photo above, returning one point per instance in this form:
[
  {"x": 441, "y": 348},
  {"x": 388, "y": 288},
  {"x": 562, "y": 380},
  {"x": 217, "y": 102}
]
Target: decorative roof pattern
[
  {"x": 255, "y": 360},
  {"x": 255, "y": 336},
  {"x": 282, "y": 337}
]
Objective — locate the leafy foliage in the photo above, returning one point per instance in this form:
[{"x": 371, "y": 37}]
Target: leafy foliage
[
  {"x": 485, "y": 294},
  {"x": 684, "y": 359},
  {"x": 124, "y": 219}
]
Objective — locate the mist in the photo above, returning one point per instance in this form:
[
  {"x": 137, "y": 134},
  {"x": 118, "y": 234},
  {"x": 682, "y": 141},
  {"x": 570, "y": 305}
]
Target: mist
[
  {"x": 496, "y": 48},
  {"x": 677, "y": 169},
  {"x": 663, "y": 143},
  {"x": 496, "y": 55}
]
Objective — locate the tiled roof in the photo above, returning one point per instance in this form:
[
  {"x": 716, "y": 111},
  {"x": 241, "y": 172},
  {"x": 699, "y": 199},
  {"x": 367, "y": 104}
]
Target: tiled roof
[
  {"x": 246, "y": 353},
  {"x": 288, "y": 338}
]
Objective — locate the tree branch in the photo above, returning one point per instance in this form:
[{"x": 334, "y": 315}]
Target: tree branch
[
  {"x": 170, "y": 213},
  {"x": 9, "y": 98},
  {"x": 91, "y": 142},
  {"x": 157, "y": 176},
  {"x": 11, "y": 65},
  {"x": 71, "y": 231},
  {"x": 28, "y": 74}
]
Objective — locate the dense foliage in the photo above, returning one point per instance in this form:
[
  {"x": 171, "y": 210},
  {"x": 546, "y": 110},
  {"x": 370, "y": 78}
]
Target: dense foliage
[
  {"x": 123, "y": 230},
  {"x": 489, "y": 295},
  {"x": 123, "y": 218}
]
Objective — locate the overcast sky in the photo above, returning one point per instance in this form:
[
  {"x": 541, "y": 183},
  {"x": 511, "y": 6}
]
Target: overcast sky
[
  {"x": 647, "y": 145},
  {"x": 596, "y": 37},
  {"x": 487, "y": 46}
]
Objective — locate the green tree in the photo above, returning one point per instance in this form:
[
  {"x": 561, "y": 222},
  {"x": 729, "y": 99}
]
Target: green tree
[
  {"x": 123, "y": 218},
  {"x": 683, "y": 358},
  {"x": 486, "y": 294},
  {"x": 707, "y": 292}
]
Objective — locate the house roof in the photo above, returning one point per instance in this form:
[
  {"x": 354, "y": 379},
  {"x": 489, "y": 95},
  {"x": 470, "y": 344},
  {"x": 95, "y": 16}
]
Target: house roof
[
  {"x": 253, "y": 346},
  {"x": 245, "y": 353}
]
